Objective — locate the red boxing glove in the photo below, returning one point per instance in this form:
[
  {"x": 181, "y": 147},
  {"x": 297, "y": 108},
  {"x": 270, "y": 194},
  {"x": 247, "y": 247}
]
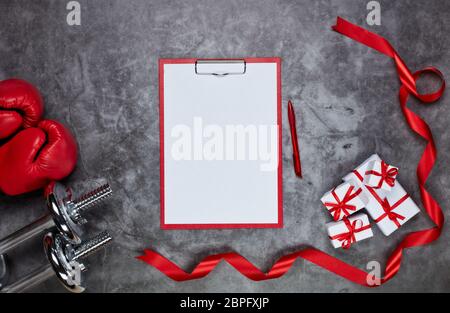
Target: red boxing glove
[
  {"x": 21, "y": 105},
  {"x": 36, "y": 156}
]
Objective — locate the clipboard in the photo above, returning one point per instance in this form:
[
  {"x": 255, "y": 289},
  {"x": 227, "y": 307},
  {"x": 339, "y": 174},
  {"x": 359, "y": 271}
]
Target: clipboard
[{"x": 210, "y": 176}]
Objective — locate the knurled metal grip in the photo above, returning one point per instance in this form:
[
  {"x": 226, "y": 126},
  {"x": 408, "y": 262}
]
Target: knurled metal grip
[{"x": 64, "y": 258}]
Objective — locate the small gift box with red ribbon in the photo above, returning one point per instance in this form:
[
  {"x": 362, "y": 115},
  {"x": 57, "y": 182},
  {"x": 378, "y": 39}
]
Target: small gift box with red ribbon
[
  {"x": 394, "y": 210},
  {"x": 349, "y": 230},
  {"x": 344, "y": 200},
  {"x": 380, "y": 175},
  {"x": 357, "y": 177}
]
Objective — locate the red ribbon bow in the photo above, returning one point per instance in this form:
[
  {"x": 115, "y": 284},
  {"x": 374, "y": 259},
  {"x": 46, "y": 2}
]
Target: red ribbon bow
[
  {"x": 389, "y": 211},
  {"x": 387, "y": 175},
  {"x": 387, "y": 208},
  {"x": 349, "y": 237},
  {"x": 316, "y": 256},
  {"x": 342, "y": 206}
]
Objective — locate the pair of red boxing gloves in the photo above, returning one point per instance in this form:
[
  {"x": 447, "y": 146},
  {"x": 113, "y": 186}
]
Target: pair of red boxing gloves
[{"x": 33, "y": 151}]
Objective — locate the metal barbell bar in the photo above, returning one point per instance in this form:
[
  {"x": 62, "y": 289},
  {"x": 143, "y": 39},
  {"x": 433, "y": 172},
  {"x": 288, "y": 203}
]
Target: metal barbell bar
[
  {"x": 63, "y": 261},
  {"x": 64, "y": 213}
]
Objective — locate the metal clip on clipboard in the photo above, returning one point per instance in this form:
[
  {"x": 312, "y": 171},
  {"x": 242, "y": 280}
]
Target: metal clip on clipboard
[{"x": 220, "y": 68}]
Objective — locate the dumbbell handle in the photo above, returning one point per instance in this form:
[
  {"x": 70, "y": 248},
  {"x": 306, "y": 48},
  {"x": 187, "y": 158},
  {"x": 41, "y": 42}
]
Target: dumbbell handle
[
  {"x": 32, "y": 279},
  {"x": 57, "y": 258},
  {"x": 80, "y": 205},
  {"x": 15, "y": 239}
]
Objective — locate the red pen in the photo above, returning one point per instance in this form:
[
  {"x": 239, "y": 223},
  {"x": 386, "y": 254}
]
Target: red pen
[{"x": 295, "y": 148}]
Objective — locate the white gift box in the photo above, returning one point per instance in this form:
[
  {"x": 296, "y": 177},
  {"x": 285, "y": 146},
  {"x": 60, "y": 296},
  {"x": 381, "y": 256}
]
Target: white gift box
[
  {"x": 357, "y": 177},
  {"x": 344, "y": 200},
  {"x": 397, "y": 208},
  {"x": 380, "y": 175},
  {"x": 376, "y": 206},
  {"x": 349, "y": 230}
]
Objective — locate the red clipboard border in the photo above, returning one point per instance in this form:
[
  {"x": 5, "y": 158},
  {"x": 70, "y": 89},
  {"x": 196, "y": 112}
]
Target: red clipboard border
[{"x": 165, "y": 226}]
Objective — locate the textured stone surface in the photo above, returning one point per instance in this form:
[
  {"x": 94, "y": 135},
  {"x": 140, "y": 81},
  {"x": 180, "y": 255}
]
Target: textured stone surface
[{"x": 101, "y": 79}]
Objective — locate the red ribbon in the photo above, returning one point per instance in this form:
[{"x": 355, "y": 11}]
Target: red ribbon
[
  {"x": 387, "y": 175},
  {"x": 320, "y": 258},
  {"x": 348, "y": 238},
  {"x": 342, "y": 206},
  {"x": 389, "y": 211}
]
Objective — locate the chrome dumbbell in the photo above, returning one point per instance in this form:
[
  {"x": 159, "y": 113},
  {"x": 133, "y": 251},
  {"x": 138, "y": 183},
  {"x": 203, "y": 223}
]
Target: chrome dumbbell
[
  {"x": 64, "y": 262},
  {"x": 64, "y": 213}
]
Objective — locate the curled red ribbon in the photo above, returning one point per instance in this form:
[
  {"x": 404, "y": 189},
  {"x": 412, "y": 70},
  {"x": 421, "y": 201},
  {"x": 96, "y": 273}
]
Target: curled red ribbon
[
  {"x": 348, "y": 238},
  {"x": 320, "y": 258},
  {"x": 342, "y": 206},
  {"x": 387, "y": 175}
]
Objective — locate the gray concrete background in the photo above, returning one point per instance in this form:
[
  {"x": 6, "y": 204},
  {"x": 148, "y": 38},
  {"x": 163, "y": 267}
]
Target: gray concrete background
[{"x": 101, "y": 79}]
